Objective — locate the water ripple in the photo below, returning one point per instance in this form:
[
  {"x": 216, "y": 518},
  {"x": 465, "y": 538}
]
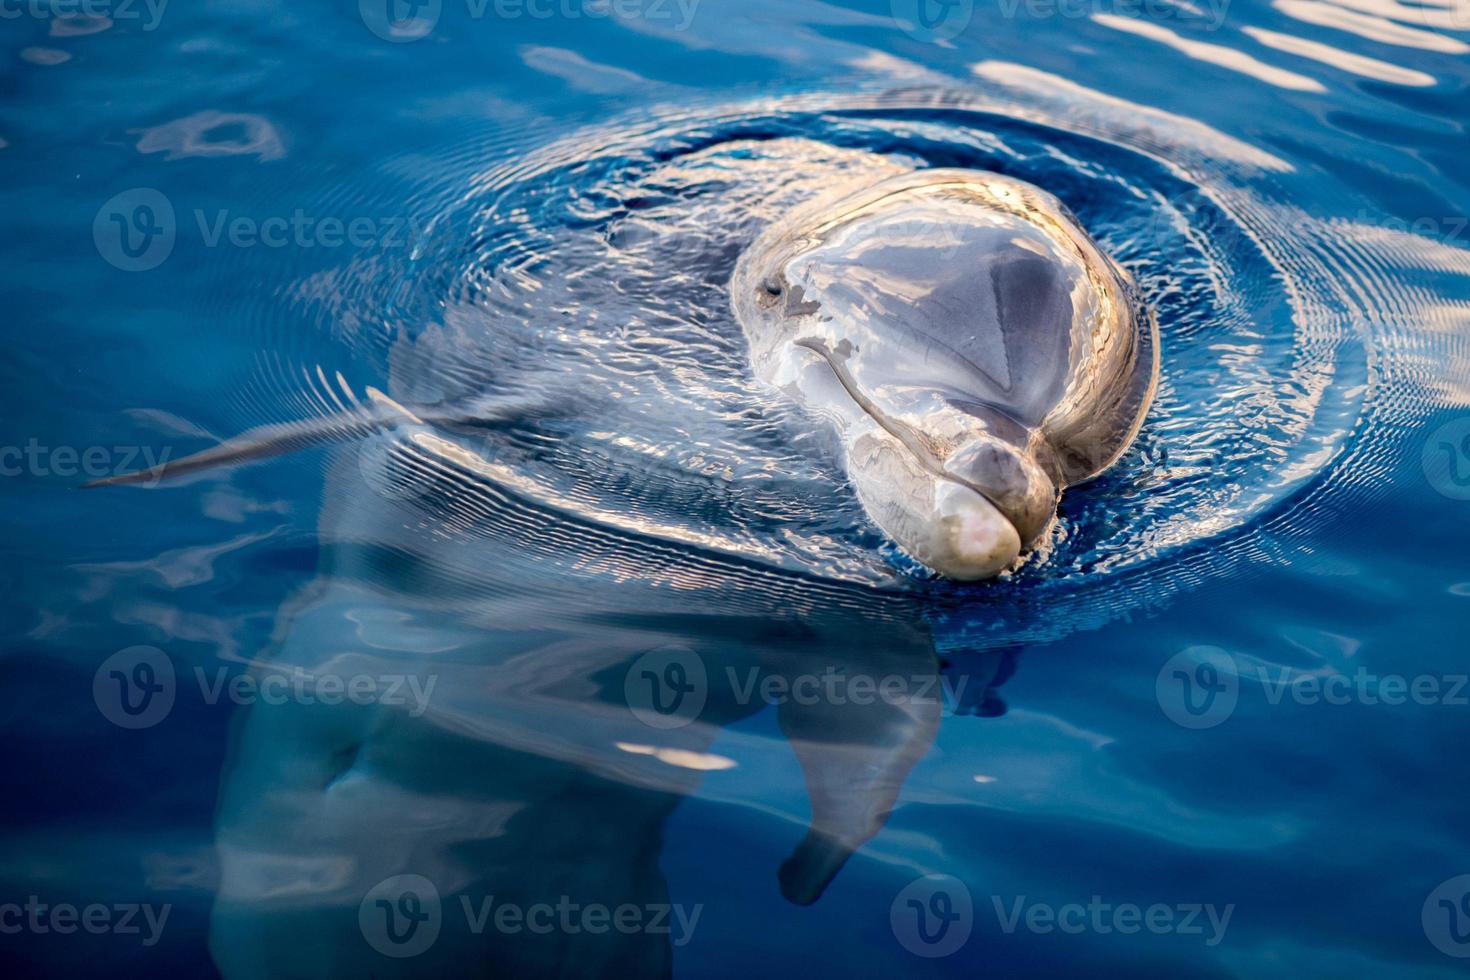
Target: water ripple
[{"x": 587, "y": 279}]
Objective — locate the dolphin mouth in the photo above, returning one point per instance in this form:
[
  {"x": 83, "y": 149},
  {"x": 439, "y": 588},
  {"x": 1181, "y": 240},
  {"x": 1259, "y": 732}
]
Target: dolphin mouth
[{"x": 904, "y": 433}]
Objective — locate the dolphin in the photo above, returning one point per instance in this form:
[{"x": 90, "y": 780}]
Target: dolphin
[
  {"x": 487, "y": 787},
  {"x": 975, "y": 350}
]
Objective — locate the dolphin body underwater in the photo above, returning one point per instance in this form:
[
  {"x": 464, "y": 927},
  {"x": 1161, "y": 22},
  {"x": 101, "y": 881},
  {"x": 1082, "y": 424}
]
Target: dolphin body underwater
[{"x": 974, "y": 353}]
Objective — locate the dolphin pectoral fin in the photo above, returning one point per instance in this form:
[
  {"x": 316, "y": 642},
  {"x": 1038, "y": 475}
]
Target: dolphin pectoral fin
[
  {"x": 811, "y": 867},
  {"x": 274, "y": 440},
  {"x": 377, "y": 413},
  {"x": 856, "y": 752}
]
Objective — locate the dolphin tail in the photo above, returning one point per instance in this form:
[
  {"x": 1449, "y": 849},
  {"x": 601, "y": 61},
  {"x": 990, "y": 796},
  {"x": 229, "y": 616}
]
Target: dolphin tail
[{"x": 379, "y": 412}]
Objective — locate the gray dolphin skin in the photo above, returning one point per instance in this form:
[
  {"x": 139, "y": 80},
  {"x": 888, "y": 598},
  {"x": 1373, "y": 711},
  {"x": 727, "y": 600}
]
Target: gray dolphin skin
[{"x": 975, "y": 350}]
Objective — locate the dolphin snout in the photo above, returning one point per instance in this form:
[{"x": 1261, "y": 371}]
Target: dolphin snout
[
  {"x": 975, "y": 539},
  {"x": 1011, "y": 479},
  {"x": 950, "y": 527}
]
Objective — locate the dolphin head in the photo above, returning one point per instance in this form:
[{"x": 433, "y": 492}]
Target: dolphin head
[{"x": 974, "y": 349}]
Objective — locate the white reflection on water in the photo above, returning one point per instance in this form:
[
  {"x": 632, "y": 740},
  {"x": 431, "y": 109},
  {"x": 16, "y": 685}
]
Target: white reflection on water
[
  {"x": 1357, "y": 64},
  {"x": 1214, "y": 54}
]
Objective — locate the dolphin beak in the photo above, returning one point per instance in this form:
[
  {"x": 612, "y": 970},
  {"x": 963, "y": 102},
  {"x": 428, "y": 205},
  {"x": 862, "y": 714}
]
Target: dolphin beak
[
  {"x": 935, "y": 513},
  {"x": 949, "y": 526},
  {"x": 975, "y": 540}
]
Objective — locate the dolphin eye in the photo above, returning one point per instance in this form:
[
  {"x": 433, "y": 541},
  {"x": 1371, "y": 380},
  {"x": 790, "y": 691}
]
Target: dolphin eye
[{"x": 772, "y": 287}]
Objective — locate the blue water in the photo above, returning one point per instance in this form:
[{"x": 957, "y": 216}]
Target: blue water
[{"x": 1214, "y": 728}]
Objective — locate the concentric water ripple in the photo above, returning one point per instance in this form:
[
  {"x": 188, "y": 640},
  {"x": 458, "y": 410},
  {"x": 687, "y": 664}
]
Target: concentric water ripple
[{"x": 585, "y": 285}]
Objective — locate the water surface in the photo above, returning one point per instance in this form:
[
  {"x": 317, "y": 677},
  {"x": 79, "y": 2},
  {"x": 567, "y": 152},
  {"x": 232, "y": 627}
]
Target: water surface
[{"x": 572, "y": 581}]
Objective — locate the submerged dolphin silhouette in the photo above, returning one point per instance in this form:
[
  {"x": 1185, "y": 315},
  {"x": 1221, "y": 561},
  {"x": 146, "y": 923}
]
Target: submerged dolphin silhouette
[
  {"x": 526, "y": 777},
  {"x": 975, "y": 349}
]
